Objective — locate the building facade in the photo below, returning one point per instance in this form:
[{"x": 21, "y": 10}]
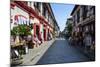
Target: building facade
[
  {"x": 84, "y": 20},
  {"x": 37, "y": 14}
]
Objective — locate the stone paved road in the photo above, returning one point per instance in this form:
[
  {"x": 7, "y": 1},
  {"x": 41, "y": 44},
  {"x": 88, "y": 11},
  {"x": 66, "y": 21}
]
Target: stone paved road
[{"x": 62, "y": 52}]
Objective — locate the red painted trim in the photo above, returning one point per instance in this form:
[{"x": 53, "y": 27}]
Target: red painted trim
[
  {"x": 30, "y": 10},
  {"x": 20, "y": 16},
  {"x": 12, "y": 5},
  {"x": 34, "y": 28},
  {"x": 31, "y": 16},
  {"x": 47, "y": 23},
  {"x": 16, "y": 18},
  {"x": 39, "y": 32},
  {"x": 20, "y": 6}
]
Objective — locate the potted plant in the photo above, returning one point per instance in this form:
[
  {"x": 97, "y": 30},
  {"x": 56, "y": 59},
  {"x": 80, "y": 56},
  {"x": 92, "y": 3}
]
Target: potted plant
[{"x": 21, "y": 32}]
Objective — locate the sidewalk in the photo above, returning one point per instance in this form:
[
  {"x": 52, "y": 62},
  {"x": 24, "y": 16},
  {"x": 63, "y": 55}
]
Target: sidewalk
[{"x": 35, "y": 54}]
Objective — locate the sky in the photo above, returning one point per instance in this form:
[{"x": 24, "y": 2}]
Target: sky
[{"x": 61, "y": 12}]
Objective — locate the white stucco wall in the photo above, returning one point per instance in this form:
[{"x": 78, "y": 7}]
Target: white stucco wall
[
  {"x": 36, "y": 20},
  {"x": 18, "y": 11}
]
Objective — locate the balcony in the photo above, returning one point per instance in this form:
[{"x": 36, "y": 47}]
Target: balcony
[{"x": 88, "y": 20}]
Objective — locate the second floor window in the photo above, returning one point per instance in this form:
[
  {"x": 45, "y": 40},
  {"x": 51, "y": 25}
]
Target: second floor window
[
  {"x": 84, "y": 14},
  {"x": 37, "y": 5},
  {"x": 44, "y": 11},
  {"x": 93, "y": 10},
  {"x": 25, "y": 2},
  {"x": 78, "y": 16},
  {"x": 74, "y": 20}
]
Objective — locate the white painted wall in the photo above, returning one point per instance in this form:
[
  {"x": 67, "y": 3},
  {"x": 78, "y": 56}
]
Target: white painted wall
[
  {"x": 12, "y": 17},
  {"x": 36, "y": 20},
  {"x": 18, "y": 11}
]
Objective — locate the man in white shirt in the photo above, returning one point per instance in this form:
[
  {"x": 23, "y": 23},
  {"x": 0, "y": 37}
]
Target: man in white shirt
[{"x": 88, "y": 42}]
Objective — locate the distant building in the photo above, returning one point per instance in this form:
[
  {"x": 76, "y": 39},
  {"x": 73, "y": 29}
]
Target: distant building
[{"x": 57, "y": 29}]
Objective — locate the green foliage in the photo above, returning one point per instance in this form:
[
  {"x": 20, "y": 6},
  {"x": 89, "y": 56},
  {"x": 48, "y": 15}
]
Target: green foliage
[
  {"x": 21, "y": 30},
  {"x": 69, "y": 29},
  {"x": 15, "y": 31}
]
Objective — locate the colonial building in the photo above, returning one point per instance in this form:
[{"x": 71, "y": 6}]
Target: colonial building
[
  {"x": 37, "y": 14},
  {"x": 84, "y": 19}
]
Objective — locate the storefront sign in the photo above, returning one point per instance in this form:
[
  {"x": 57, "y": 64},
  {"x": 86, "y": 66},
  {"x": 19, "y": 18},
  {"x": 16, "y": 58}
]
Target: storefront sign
[{"x": 20, "y": 19}]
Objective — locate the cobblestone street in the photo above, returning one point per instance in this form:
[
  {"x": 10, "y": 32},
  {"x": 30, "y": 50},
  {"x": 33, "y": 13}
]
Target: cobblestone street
[{"x": 62, "y": 52}]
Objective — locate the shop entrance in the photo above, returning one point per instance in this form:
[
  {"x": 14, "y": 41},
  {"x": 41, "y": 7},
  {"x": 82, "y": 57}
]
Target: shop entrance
[
  {"x": 44, "y": 35},
  {"x": 37, "y": 31}
]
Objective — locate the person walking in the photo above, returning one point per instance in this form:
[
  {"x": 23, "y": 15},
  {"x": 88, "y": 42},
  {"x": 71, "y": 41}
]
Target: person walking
[{"x": 87, "y": 42}]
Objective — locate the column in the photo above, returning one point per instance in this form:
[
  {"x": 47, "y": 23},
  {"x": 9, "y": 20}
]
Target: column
[
  {"x": 34, "y": 28},
  {"x": 81, "y": 11},
  {"x": 32, "y": 5},
  {"x": 41, "y": 8}
]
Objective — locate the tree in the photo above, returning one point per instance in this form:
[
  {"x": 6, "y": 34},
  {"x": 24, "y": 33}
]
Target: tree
[{"x": 69, "y": 28}]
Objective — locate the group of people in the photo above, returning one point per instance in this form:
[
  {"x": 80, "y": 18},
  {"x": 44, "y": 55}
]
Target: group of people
[{"x": 83, "y": 39}]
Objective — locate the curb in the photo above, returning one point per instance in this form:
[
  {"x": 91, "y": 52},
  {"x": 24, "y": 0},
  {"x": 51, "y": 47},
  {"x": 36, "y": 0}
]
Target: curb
[
  {"x": 33, "y": 60},
  {"x": 45, "y": 50}
]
